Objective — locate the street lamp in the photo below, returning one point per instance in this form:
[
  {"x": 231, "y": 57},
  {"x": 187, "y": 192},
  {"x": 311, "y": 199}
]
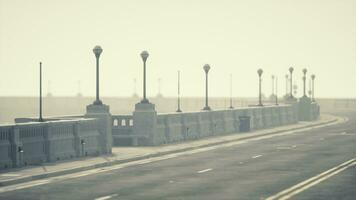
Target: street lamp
[
  {"x": 272, "y": 86},
  {"x": 304, "y": 84},
  {"x": 259, "y": 72},
  {"x": 231, "y": 107},
  {"x": 309, "y": 88},
  {"x": 313, "y": 78},
  {"x": 206, "y": 70},
  {"x": 276, "y": 91},
  {"x": 144, "y": 56},
  {"x": 286, "y": 85},
  {"x": 179, "y": 110},
  {"x": 97, "y": 51},
  {"x": 40, "y": 119},
  {"x": 291, "y": 69}
]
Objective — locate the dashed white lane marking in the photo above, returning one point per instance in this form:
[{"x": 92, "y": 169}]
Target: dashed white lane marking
[
  {"x": 257, "y": 156},
  {"x": 286, "y": 147},
  {"x": 106, "y": 197},
  {"x": 205, "y": 170},
  {"x": 290, "y": 192},
  {"x": 343, "y": 133}
]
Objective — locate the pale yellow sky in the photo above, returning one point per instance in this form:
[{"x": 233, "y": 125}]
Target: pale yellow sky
[{"x": 233, "y": 36}]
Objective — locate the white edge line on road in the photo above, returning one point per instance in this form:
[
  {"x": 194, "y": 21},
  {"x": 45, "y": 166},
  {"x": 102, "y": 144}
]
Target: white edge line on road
[
  {"x": 205, "y": 170},
  {"x": 24, "y": 185},
  {"x": 288, "y": 193}
]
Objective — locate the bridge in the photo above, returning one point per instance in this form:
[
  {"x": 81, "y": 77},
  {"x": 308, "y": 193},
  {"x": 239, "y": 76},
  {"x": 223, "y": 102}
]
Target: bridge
[
  {"x": 177, "y": 100},
  {"x": 33, "y": 141},
  {"x": 52, "y": 150}
]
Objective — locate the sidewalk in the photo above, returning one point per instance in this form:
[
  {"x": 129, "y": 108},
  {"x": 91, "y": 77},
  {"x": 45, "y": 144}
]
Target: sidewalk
[{"x": 127, "y": 154}]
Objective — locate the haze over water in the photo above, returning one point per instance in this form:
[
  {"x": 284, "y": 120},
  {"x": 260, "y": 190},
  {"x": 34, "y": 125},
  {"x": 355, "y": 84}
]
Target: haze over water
[{"x": 235, "y": 37}]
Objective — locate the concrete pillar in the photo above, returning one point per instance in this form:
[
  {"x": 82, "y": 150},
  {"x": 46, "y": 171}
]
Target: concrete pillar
[
  {"x": 293, "y": 110},
  {"x": 305, "y": 109},
  {"x": 102, "y": 113},
  {"x": 145, "y": 123}
]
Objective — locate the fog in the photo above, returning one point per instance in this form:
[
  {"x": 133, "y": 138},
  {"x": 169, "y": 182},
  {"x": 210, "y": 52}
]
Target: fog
[{"x": 234, "y": 37}]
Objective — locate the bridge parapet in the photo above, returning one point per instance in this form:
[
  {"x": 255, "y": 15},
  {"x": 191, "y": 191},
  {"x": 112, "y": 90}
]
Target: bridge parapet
[
  {"x": 38, "y": 142},
  {"x": 122, "y": 133},
  {"x": 150, "y": 128}
]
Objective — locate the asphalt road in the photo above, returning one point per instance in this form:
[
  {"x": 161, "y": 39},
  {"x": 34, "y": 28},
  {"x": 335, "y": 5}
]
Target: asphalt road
[{"x": 254, "y": 170}]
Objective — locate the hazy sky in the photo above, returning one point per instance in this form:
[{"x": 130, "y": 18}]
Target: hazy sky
[{"x": 233, "y": 36}]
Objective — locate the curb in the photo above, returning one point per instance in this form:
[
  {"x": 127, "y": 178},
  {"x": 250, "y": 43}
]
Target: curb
[{"x": 115, "y": 162}]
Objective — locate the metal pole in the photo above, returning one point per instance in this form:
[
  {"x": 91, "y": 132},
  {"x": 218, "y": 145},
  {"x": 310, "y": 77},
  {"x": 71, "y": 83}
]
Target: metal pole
[
  {"x": 260, "y": 94},
  {"x": 179, "y": 110},
  {"x": 272, "y": 85},
  {"x": 276, "y": 90},
  {"x": 313, "y": 98},
  {"x": 286, "y": 85},
  {"x": 231, "y": 107},
  {"x": 291, "y": 84},
  {"x": 144, "y": 81},
  {"x": 40, "y": 118},
  {"x": 206, "y": 90},
  {"x": 97, "y": 80},
  {"x": 309, "y": 86},
  {"x": 304, "y": 79}
]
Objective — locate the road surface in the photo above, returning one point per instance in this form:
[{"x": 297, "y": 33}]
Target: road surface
[{"x": 270, "y": 168}]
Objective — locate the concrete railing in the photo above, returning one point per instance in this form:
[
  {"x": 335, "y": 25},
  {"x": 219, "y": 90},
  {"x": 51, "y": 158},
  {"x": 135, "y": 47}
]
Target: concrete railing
[
  {"x": 150, "y": 128},
  {"x": 35, "y": 143},
  {"x": 175, "y": 127},
  {"x": 122, "y": 126}
]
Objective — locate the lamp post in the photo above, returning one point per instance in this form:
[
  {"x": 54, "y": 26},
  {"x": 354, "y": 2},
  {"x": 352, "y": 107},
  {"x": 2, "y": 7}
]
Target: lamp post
[
  {"x": 178, "y": 109},
  {"x": 272, "y": 86},
  {"x": 309, "y": 88},
  {"x": 259, "y": 72},
  {"x": 291, "y": 69},
  {"x": 40, "y": 119},
  {"x": 144, "y": 56},
  {"x": 313, "y": 78},
  {"x": 97, "y": 51},
  {"x": 231, "y": 107},
  {"x": 206, "y": 70},
  {"x": 286, "y": 85},
  {"x": 276, "y": 91},
  {"x": 304, "y": 82}
]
